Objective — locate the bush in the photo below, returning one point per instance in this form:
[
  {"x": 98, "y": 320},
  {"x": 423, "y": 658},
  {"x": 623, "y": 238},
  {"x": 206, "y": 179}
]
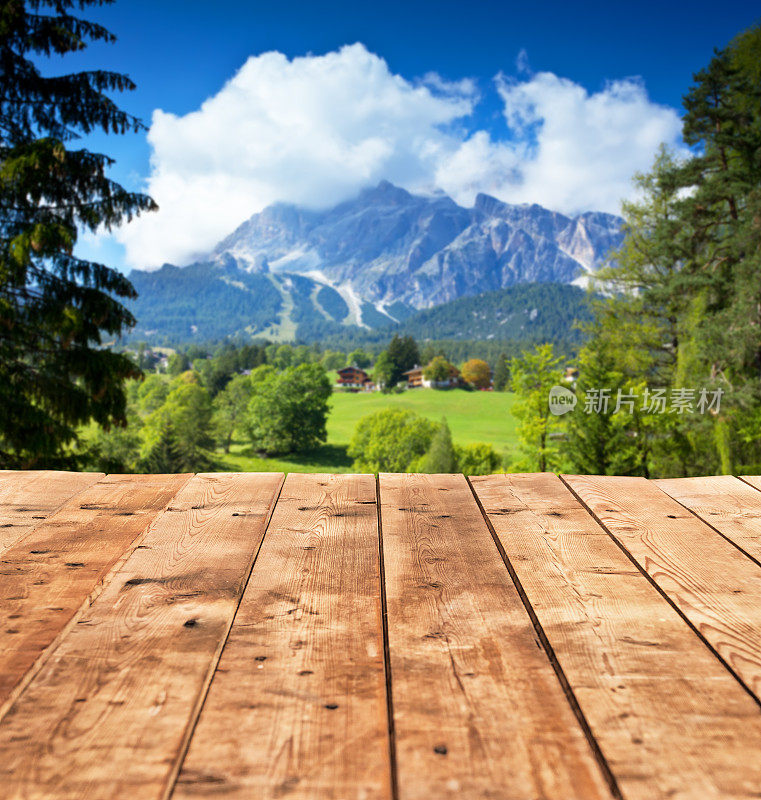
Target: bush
[
  {"x": 390, "y": 440},
  {"x": 477, "y": 459}
]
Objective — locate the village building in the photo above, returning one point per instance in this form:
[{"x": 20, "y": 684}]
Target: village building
[
  {"x": 354, "y": 378},
  {"x": 415, "y": 379}
]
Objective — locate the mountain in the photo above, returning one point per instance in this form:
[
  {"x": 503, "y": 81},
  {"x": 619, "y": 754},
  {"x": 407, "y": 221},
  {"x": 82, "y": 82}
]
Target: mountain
[
  {"x": 371, "y": 262},
  {"x": 388, "y": 246}
]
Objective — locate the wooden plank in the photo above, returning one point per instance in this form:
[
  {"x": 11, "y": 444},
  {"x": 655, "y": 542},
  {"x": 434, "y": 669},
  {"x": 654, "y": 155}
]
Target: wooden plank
[
  {"x": 47, "y": 577},
  {"x": 27, "y": 498},
  {"x": 478, "y": 709},
  {"x": 669, "y": 719},
  {"x": 715, "y": 586},
  {"x": 730, "y": 506},
  {"x": 109, "y": 714},
  {"x": 297, "y": 707},
  {"x": 753, "y": 480}
]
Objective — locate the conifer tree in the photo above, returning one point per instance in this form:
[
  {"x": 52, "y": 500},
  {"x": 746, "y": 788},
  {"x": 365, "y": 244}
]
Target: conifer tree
[
  {"x": 440, "y": 456},
  {"x": 501, "y": 374},
  {"x": 403, "y": 354},
  {"x": 687, "y": 315},
  {"x": 56, "y": 308},
  {"x": 164, "y": 455},
  {"x": 600, "y": 435}
]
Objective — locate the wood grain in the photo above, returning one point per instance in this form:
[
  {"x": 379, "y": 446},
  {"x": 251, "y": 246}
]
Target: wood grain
[
  {"x": 302, "y": 674},
  {"x": 730, "y": 506},
  {"x": 753, "y": 480},
  {"x": 109, "y": 714},
  {"x": 668, "y": 717},
  {"x": 28, "y": 498},
  {"x": 48, "y": 577},
  {"x": 715, "y": 586},
  {"x": 478, "y": 709}
]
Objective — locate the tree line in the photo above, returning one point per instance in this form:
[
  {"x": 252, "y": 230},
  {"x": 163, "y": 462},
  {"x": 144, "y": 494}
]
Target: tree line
[
  {"x": 678, "y": 315},
  {"x": 276, "y": 399}
]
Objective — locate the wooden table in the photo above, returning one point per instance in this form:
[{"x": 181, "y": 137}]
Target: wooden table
[{"x": 347, "y": 637}]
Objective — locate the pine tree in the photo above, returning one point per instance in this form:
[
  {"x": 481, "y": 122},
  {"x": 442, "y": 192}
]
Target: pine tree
[
  {"x": 403, "y": 354},
  {"x": 54, "y": 307},
  {"x": 164, "y": 455},
  {"x": 501, "y": 374},
  {"x": 440, "y": 456},
  {"x": 688, "y": 315},
  {"x": 600, "y": 439}
]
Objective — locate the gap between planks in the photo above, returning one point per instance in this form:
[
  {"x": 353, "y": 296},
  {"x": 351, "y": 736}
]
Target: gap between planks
[
  {"x": 57, "y": 570},
  {"x": 107, "y": 715},
  {"x": 394, "y": 771},
  {"x": 729, "y": 505},
  {"x": 669, "y": 718},
  {"x": 704, "y": 575}
]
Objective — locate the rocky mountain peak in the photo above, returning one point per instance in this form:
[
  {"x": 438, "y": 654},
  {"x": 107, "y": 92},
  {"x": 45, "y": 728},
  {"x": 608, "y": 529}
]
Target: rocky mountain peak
[{"x": 389, "y": 246}]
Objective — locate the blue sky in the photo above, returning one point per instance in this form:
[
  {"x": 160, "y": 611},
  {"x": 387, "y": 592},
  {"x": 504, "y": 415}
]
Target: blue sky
[{"x": 181, "y": 53}]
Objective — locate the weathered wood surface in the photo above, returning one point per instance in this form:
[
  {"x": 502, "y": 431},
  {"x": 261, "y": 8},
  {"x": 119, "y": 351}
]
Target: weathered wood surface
[
  {"x": 752, "y": 480},
  {"x": 302, "y": 673},
  {"x": 660, "y": 705},
  {"x": 28, "y": 498},
  {"x": 713, "y": 584},
  {"x": 726, "y": 503},
  {"x": 108, "y": 715},
  {"x": 334, "y": 637},
  {"x": 477, "y": 707},
  {"x": 48, "y": 577}
]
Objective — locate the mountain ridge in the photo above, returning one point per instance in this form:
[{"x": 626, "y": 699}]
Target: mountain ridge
[
  {"x": 388, "y": 245},
  {"x": 369, "y": 262}
]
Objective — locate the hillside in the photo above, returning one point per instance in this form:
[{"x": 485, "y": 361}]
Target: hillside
[
  {"x": 209, "y": 303},
  {"x": 528, "y": 312},
  {"x": 211, "y": 300}
]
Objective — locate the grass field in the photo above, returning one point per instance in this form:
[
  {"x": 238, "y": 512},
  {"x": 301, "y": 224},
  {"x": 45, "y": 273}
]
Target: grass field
[{"x": 472, "y": 417}]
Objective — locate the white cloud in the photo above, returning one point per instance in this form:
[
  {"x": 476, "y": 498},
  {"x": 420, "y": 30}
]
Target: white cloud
[
  {"x": 582, "y": 149},
  {"x": 310, "y": 131},
  {"x": 522, "y": 64},
  {"x": 314, "y": 130}
]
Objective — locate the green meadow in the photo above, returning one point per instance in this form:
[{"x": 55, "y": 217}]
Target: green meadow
[{"x": 472, "y": 417}]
